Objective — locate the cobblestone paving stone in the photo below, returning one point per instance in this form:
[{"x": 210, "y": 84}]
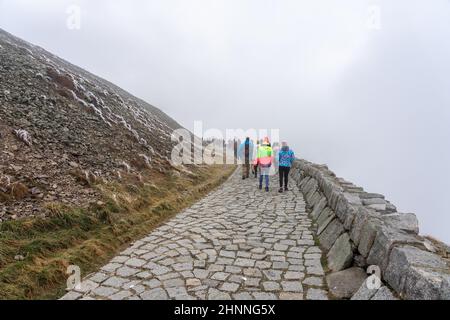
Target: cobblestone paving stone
[{"x": 238, "y": 242}]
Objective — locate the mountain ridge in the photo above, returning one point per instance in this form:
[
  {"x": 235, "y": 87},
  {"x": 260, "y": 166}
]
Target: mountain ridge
[{"x": 63, "y": 128}]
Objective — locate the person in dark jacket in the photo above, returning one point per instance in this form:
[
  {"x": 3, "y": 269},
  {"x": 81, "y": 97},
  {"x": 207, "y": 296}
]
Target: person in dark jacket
[
  {"x": 255, "y": 161},
  {"x": 245, "y": 154},
  {"x": 285, "y": 158}
]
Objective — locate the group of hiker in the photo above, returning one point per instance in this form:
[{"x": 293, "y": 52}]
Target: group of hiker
[{"x": 262, "y": 158}]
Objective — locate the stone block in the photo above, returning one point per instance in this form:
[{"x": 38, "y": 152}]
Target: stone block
[
  {"x": 331, "y": 233},
  {"x": 368, "y": 234},
  {"x": 418, "y": 274},
  {"x": 316, "y": 198},
  {"x": 404, "y": 221},
  {"x": 370, "y": 201},
  {"x": 361, "y": 216},
  {"x": 384, "y": 293},
  {"x": 385, "y": 239},
  {"x": 323, "y": 223},
  {"x": 345, "y": 200},
  {"x": 367, "y": 195},
  {"x": 311, "y": 186},
  {"x": 318, "y": 208},
  {"x": 340, "y": 255},
  {"x": 344, "y": 284},
  {"x": 364, "y": 293}
]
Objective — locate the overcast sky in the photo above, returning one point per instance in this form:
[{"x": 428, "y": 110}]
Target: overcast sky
[{"x": 362, "y": 86}]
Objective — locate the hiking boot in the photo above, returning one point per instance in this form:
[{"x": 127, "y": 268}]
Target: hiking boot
[
  {"x": 267, "y": 189},
  {"x": 260, "y": 187},
  {"x": 286, "y": 189},
  {"x": 280, "y": 190}
]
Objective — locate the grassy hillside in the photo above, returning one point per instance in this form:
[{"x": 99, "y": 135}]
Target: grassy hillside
[{"x": 35, "y": 252}]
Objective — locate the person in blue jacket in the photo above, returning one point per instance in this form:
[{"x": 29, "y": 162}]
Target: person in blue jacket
[{"x": 285, "y": 159}]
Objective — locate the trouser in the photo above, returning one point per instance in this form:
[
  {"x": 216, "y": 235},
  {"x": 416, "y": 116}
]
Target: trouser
[
  {"x": 255, "y": 170},
  {"x": 264, "y": 173},
  {"x": 245, "y": 170},
  {"x": 284, "y": 175}
]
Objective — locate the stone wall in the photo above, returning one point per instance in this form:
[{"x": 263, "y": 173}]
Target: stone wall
[{"x": 358, "y": 229}]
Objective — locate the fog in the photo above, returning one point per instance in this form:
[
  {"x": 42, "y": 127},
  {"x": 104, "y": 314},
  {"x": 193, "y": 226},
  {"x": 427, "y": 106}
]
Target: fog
[{"x": 362, "y": 86}]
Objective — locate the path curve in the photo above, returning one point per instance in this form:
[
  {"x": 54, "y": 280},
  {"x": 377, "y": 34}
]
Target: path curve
[{"x": 236, "y": 243}]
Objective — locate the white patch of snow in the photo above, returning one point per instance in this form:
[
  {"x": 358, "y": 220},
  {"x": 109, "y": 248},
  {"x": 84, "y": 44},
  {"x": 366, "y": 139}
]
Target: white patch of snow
[{"x": 24, "y": 136}]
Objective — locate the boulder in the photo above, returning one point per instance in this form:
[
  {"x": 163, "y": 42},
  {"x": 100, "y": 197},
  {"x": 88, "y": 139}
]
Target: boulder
[
  {"x": 384, "y": 293},
  {"x": 334, "y": 198},
  {"x": 331, "y": 233},
  {"x": 368, "y": 195},
  {"x": 367, "y": 202},
  {"x": 364, "y": 293},
  {"x": 318, "y": 208},
  {"x": 317, "y": 196},
  {"x": 345, "y": 200},
  {"x": 324, "y": 220},
  {"x": 344, "y": 284},
  {"x": 368, "y": 234},
  {"x": 360, "y": 219},
  {"x": 340, "y": 255},
  {"x": 404, "y": 221},
  {"x": 385, "y": 239},
  {"x": 311, "y": 185},
  {"x": 377, "y": 207},
  {"x": 418, "y": 274},
  {"x": 303, "y": 182}
]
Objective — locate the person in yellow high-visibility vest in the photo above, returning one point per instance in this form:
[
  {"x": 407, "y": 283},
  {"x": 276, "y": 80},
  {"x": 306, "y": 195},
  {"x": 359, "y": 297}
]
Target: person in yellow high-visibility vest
[{"x": 264, "y": 160}]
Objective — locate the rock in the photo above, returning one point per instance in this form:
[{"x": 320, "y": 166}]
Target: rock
[
  {"x": 417, "y": 274},
  {"x": 385, "y": 239},
  {"x": 73, "y": 164},
  {"x": 193, "y": 282},
  {"x": 24, "y": 136},
  {"x": 367, "y": 202},
  {"x": 324, "y": 220},
  {"x": 404, "y": 221},
  {"x": 331, "y": 234},
  {"x": 377, "y": 207},
  {"x": 310, "y": 187},
  {"x": 368, "y": 234},
  {"x": 313, "y": 281},
  {"x": 316, "y": 294},
  {"x": 19, "y": 257},
  {"x": 344, "y": 284},
  {"x": 364, "y": 293},
  {"x": 318, "y": 208},
  {"x": 367, "y": 195},
  {"x": 340, "y": 255},
  {"x": 16, "y": 167},
  {"x": 344, "y": 201},
  {"x": 384, "y": 294}
]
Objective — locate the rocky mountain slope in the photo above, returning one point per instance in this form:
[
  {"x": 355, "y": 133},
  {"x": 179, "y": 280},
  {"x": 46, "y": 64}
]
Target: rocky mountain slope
[{"x": 63, "y": 129}]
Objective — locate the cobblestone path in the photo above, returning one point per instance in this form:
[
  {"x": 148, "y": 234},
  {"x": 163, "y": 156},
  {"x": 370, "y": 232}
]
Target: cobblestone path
[{"x": 236, "y": 243}]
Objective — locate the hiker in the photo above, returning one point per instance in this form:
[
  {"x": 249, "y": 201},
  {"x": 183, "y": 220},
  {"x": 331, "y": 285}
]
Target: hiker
[
  {"x": 245, "y": 155},
  {"x": 285, "y": 158},
  {"x": 264, "y": 159},
  {"x": 255, "y": 162}
]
